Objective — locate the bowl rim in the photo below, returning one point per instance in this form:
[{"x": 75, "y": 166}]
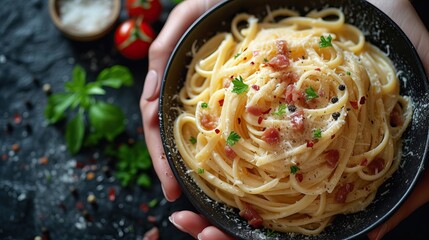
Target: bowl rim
[
  {"x": 84, "y": 36},
  {"x": 421, "y": 167}
]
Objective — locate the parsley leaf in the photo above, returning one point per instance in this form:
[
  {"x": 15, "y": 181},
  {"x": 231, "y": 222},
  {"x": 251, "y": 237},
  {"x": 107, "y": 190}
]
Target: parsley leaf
[
  {"x": 153, "y": 203},
  {"x": 192, "y": 140},
  {"x": 325, "y": 42},
  {"x": 271, "y": 233},
  {"x": 200, "y": 170},
  {"x": 204, "y": 105},
  {"x": 317, "y": 133},
  {"x": 310, "y": 94},
  {"x": 233, "y": 138},
  {"x": 239, "y": 85},
  {"x": 237, "y": 55},
  {"x": 133, "y": 162},
  {"x": 280, "y": 110},
  {"x": 294, "y": 169}
]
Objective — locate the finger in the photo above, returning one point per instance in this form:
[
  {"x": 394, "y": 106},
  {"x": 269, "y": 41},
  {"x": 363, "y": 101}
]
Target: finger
[
  {"x": 189, "y": 222},
  {"x": 418, "y": 197},
  {"x": 169, "y": 184},
  {"x": 213, "y": 233},
  {"x": 178, "y": 21}
]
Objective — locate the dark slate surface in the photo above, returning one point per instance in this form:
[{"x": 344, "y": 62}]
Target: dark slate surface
[{"x": 35, "y": 199}]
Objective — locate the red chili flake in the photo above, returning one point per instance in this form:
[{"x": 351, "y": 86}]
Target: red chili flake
[
  {"x": 15, "y": 147},
  {"x": 152, "y": 219},
  {"x": 43, "y": 160},
  {"x": 90, "y": 176},
  {"x": 256, "y": 87},
  {"x": 62, "y": 206},
  {"x": 144, "y": 207},
  {"x": 17, "y": 118},
  {"x": 140, "y": 130},
  {"x": 362, "y": 100},
  {"x": 79, "y": 165},
  {"x": 217, "y": 131},
  {"x": 299, "y": 177},
  {"x": 317, "y": 69},
  {"x": 239, "y": 120},
  {"x": 354, "y": 104},
  {"x": 364, "y": 162},
  {"x": 260, "y": 120},
  {"x": 232, "y": 77},
  {"x": 112, "y": 194},
  {"x": 252, "y": 63},
  {"x": 310, "y": 143},
  {"x": 87, "y": 216},
  {"x": 4, "y": 156},
  {"x": 221, "y": 102},
  {"x": 245, "y": 58},
  {"x": 245, "y": 49},
  {"x": 79, "y": 205}
]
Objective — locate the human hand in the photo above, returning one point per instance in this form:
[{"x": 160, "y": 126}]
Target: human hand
[
  {"x": 404, "y": 14},
  {"x": 188, "y": 11}
]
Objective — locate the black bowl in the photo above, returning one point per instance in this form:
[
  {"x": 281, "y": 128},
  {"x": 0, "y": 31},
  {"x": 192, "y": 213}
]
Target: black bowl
[{"x": 381, "y": 31}]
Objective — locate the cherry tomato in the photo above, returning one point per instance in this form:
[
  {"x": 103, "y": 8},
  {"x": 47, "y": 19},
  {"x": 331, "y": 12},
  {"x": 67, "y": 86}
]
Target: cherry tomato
[
  {"x": 150, "y": 10},
  {"x": 133, "y": 38}
]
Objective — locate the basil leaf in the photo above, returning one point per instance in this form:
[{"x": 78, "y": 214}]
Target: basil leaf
[
  {"x": 75, "y": 130},
  {"x": 115, "y": 77},
  {"x": 94, "y": 89},
  {"x": 78, "y": 80},
  {"x": 57, "y": 105},
  {"x": 107, "y": 119}
]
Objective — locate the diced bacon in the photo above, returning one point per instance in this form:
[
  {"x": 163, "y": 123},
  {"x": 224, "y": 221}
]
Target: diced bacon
[
  {"x": 279, "y": 62},
  {"x": 230, "y": 152},
  {"x": 293, "y": 95},
  {"x": 282, "y": 47},
  {"x": 342, "y": 192},
  {"x": 255, "y": 111},
  {"x": 396, "y": 118},
  {"x": 260, "y": 120},
  {"x": 297, "y": 120},
  {"x": 271, "y": 136},
  {"x": 289, "y": 77},
  {"x": 362, "y": 100},
  {"x": 252, "y": 216},
  {"x": 332, "y": 156},
  {"x": 376, "y": 166},
  {"x": 208, "y": 121}
]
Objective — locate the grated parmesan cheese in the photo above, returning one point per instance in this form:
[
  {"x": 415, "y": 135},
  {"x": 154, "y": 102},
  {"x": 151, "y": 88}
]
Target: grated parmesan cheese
[{"x": 85, "y": 15}]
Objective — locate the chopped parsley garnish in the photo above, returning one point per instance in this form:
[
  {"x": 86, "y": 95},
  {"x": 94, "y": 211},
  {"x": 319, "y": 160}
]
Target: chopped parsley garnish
[
  {"x": 192, "y": 140},
  {"x": 271, "y": 233},
  {"x": 291, "y": 108},
  {"x": 310, "y": 94},
  {"x": 232, "y": 138},
  {"x": 204, "y": 105},
  {"x": 294, "y": 169},
  {"x": 265, "y": 60},
  {"x": 237, "y": 55},
  {"x": 200, "y": 170},
  {"x": 153, "y": 203},
  {"x": 317, "y": 133},
  {"x": 325, "y": 42},
  {"x": 281, "y": 110},
  {"x": 239, "y": 85},
  {"x": 348, "y": 73},
  {"x": 335, "y": 115}
]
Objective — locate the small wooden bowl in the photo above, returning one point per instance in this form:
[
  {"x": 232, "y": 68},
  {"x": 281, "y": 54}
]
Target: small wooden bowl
[{"x": 77, "y": 35}]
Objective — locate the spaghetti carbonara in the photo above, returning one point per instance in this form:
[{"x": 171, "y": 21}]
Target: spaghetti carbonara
[{"x": 292, "y": 121}]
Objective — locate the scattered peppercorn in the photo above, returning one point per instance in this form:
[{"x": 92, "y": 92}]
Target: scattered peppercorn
[
  {"x": 47, "y": 89},
  {"x": 342, "y": 87},
  {"x": 92, "y": 200},
  {"x": 336, "y": 115},
  {"x": 87, "y": 216},
  {"x": 28, "y": 104},
  {"x": 291, "y": 108},
  {"x": 43, "y": 160},
  {"x": 15, "y": 147},
  {"x": 9, "y": 128},
  {"x": 90, "y": 176},
  {"x": 334, "y": 100},
  {"x": 74, "y": 192},
  {"x": 106, "y": 171},
  {"x": 28, "y": 128}
]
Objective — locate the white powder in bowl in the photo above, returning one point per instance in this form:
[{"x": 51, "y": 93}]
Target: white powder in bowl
[{"x": 85, "y": 15}]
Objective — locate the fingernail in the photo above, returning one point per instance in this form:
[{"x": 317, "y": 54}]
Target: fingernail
[
  {"x": 200, "y": 236},
  {"x": 381, "y": 233},
  {"x": 171, "y": 219},
  {"x": 151, "y": 86},
  {"x": 165, "y": 195}
]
